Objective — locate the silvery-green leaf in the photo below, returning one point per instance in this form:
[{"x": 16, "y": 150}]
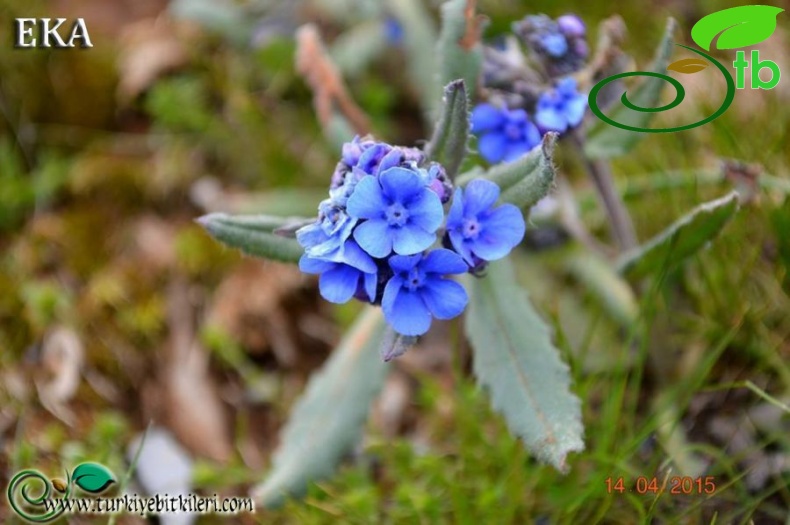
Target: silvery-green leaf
[
  {"x": 254, "y": 235},
  {"x": 394, "y": 344},
  {"x": 459, "y": 50},
  {"x": 682, "y": 239},
  {"x": 448, "y": 143},
  {"x": 419, "y": 40},
  {"x": 526, "y": 180},
  {"x": 604, "y": 140},
  {"x": 742, "y": 26},
  {"x": 614, "y": 294},
  {"x": 516, "y": 361},
  {"x": 327, "y": 421},
  {"x": 359, "y": 46}
]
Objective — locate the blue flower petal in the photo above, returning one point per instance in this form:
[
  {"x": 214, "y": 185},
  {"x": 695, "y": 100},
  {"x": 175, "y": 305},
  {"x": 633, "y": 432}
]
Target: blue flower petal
[
  {"x": 461, "y": 246},
  {"x": 367, "y": 201},
  {"x": 456, "y": 214},
  {"x": 492, "y": 146},
  {"x": 575, "y": 109},
  {"x": 480, "y": 195},
  {"x": 339, "y": 284},
  {"x": 426, "y": 211},
  {"x": 444, "y": 298},
  {"x": 554, "y": 44},
  {"x": 486, "y": 117},
  {"x": 410, "y": 240},
  {"x": 503, "y": 229},
  {"x": 374, "y": 237},
  {"x": 442, "y": 261},
  {"x": 314, "y": 266},
  {"x": 371, "y": 284},
  {"x": 310, "y": 235},
  {"x": 404, "y": 263},
  {"x": 551, "y": 119},
  {"x": 408, "y": 314},
  {"x": 391, "y": 159},
  {"x": 354, "y": 256},
  {"x": 566, "y": 86},
  {"x": 391, "y": 291},
  {"x": 400, "y": 184},
  {"x": 372, "y": 156}
]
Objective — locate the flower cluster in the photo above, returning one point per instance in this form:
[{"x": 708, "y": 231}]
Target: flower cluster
[
  {"x": 523, "y": 103},
  {"x": 561, "y": 44},
  {"x": 374, "y": 236}
]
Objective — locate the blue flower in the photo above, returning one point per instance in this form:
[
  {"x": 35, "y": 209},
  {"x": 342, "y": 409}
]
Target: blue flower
[
  {"x": 418, "y": 291},
  {"x": 325, "y": 238},
  {"x": 393, "y": 31},
  {"x": 479, "y": 231},
  {"x": 504, "y": 135},
  {"x": 561, "y": 108},
  {"x": 340, "y": 281},
  {"x": 554, "y": 44},
  {"x": 402, "y": 213}
]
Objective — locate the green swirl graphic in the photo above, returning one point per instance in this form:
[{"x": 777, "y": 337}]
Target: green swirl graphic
[
  {"x": 679, "y": 96},
  {"x": 19, "y": 486}
]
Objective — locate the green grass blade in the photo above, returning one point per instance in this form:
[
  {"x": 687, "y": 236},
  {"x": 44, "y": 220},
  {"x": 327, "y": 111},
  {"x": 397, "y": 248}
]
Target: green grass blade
[{"x": 516, "y": 360}]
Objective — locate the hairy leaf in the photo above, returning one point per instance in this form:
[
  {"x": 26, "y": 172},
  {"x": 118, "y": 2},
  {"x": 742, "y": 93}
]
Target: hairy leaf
[
  {"x": 459, "y": 50},
  {"x": 327, "y": 421},
  {"x": 448, "y": 143},
  {"x": 739, "y": 26},
  {"x": 254, "y": 235},
  {"x": 605, "y": 140},
  {"x": 516, "y": 360},
  {"x": 526, "y": 180},
  {"x": 681, "y": 240}
]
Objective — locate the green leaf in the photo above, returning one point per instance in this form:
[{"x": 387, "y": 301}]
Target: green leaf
[
  {"x": 606, "y": 141},
  {"x": 526, "y": 180},
  {"x": 516, "y": 360},
  {"x": 739, "y": 26},
  {"x": 92, "y": 477},
  {"x": 394, "y": 344},
  {"x": 681, "y": 240},
  {"x": 459, "y": 50},
  {"x": 448, "y": 143},
  {"x": 419, "y": 38},
  {"x": 610, "y": 289},
  {"x": 327, "y": 421},
  {"x": 254, "y": 235},
  {"x": 352, "y": 51}
]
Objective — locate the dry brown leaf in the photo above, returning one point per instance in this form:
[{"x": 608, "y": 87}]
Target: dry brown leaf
[
  {"x": 248, "y": 305},
  {"x": 192, "y": 407},
  {"x": 149, "y": 48},
  {"x": 62, "y": 358}
]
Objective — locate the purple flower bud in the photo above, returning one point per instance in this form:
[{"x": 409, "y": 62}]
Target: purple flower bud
[{"x": 572, "y": 26}]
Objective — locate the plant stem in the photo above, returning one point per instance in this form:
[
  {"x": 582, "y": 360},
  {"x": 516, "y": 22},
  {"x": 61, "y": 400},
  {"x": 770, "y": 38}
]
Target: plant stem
[{"x": 601, "y": 174}]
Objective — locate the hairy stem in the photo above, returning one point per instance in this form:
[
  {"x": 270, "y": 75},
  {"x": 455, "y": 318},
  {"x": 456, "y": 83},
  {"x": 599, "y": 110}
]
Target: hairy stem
[{"x": 601, "y": 175}]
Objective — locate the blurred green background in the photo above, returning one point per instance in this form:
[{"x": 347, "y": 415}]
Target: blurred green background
[{"x": 108, "y": 154}]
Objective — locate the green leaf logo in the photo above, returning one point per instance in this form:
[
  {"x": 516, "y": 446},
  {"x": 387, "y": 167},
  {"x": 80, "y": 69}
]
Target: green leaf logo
[
  {"x": 687, "y": 65},
  {"x": 92, "y": 477},
  {"x": 739, "y": 26}
]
